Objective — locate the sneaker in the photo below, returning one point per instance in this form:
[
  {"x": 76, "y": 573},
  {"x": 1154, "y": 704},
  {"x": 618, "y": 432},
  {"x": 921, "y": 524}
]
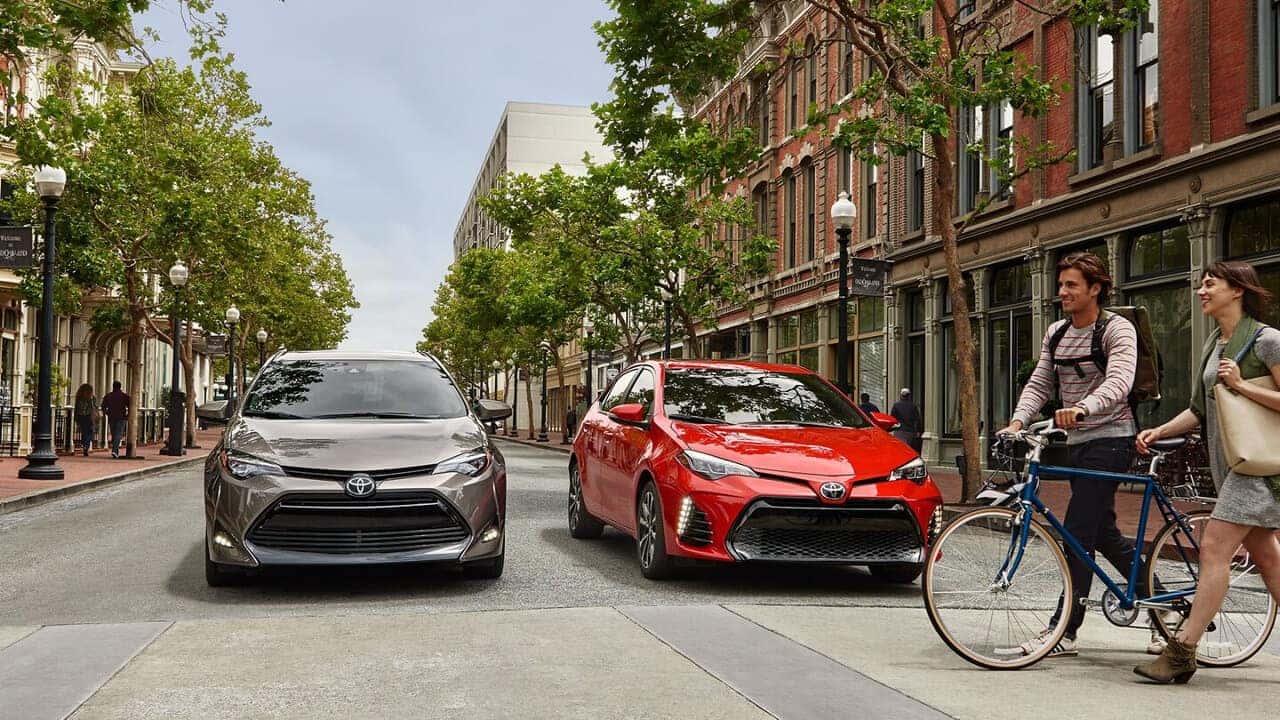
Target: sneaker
[
  {"x": 1172, "y": 620},
  {"x": 115, "y": 455},
  {"x": 1066, "y": 647}
]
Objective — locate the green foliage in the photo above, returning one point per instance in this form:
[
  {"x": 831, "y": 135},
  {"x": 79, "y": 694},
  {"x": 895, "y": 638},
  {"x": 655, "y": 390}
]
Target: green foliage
[{"x": 31, "y": 383}]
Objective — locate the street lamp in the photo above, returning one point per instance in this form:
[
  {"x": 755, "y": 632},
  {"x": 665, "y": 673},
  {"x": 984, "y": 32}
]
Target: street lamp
[
  {"x": 262, "y": 348},
  {"x": 178, "y": 275},
  {"x": 666, "y": 323},
  {"x": 497, "y": 368},
  {"x": 588, "y": 327},
  {"x": 546, "y": 359},
  {"x": 843, "y": 213},
  {"x": 42, "y": 463},
  {"x": 232, "y": 317},
  {"x": 515, "y": 398}
]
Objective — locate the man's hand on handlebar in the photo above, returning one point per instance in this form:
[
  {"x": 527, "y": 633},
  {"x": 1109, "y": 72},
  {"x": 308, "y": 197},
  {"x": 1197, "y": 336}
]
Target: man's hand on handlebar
[
  {"x": 1012, "y": 428},
  {"x": 1146, "y": 437}
]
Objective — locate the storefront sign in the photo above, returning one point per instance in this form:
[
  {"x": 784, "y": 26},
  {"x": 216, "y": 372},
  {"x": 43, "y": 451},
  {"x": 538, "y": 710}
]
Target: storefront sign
[
  {"x": 215, "y": 345},
  {"x": 16, "y": 245},
  {"x": 868, "y": 276}
]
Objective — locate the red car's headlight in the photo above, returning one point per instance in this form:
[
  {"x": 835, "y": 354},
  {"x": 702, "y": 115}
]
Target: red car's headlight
[
  {"x": 915, "y": 471},
  {"x": 712, "y": 467}
]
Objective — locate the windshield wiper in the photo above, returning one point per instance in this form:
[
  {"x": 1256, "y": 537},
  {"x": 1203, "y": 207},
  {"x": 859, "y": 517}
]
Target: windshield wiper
[
  {"x": 696, "y": 419},
  {"x": 378, "y": 415},
  {"x": 801, "y": 423},
  {"x": 274, "y": 415}
]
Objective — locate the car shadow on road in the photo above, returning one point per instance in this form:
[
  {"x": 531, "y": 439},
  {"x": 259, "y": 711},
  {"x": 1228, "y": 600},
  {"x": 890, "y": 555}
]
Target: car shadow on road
[
  {"x": 613, "y": 555},
  {"x": 288, "y": 585}
]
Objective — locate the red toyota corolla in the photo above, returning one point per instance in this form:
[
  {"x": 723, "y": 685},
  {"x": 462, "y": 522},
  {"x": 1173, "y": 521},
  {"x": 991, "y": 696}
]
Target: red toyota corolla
[{"x": 745, "y": 462}]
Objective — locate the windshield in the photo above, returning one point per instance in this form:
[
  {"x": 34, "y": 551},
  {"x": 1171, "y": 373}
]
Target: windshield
[
  {"x": 354, "y": 388},
  {"x": 745, "y": 396}
]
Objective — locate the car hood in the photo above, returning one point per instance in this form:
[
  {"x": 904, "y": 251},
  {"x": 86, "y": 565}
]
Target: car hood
[
  {"x": 355, "y": 444},
  {"x": 862, "y": 453}
]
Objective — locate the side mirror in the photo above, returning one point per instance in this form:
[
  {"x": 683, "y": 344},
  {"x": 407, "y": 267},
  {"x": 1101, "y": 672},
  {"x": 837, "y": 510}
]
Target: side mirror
[
  {"x": 629, "y": 413},
  {"x": 888, "y": 423},
  {"x": 491, "y": 410}
]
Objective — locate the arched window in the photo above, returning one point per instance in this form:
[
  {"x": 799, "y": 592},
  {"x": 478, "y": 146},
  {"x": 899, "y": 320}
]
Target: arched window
[
  {"x": 810, "y": 210},
  {"x": 811, "y": 72},
  {"x": 793, "y": 102},
  {"x": 789, "y": 183}
]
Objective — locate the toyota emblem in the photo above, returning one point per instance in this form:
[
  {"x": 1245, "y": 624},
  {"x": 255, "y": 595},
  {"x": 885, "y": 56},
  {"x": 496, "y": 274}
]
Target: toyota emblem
[
  {"x": 360, "y": 485},
  {"x": 832, "y": 490}
]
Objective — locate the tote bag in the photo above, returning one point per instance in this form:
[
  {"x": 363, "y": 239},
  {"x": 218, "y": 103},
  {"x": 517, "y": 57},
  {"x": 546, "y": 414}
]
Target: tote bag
[{"x": 1249, "y": 429}]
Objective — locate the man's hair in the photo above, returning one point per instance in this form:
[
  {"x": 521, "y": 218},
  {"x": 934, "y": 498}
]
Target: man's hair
[
  {"x": 1093, "y": 269},
  {"x": 864, "y": 397},
  {"x": 115, "y": 385}
]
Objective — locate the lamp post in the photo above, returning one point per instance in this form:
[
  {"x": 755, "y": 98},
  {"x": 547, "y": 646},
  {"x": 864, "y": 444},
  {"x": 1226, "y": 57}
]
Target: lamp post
[
  {"x": 589, "y": 326},
  {"x": 497, "y": 369},
  {"x": 546, "y": 359},
  {"x": 42, "y": 463},
  {"x": 515, "y": 398},
  {"x": 666, "y": 323},
  {"x": 232, "y": 317},
  {"x": 262, "y": 348},
  {"x": 843, "y": 212},
  {"x": 178, "y": 275}
]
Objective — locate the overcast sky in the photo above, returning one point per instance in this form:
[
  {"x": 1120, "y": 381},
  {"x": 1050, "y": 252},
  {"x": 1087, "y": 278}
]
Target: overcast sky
[{"x": 387, "y": 107}]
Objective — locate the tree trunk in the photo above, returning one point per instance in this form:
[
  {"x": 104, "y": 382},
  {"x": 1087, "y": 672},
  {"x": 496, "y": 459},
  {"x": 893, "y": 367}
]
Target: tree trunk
[
  {"x": 135, "y": 382},
  {"x": 966, "y": 367},
  {"x": 690, "y": 351},
  {"x": 528, "y": 396},
  {"x": 564, "y": 391}
]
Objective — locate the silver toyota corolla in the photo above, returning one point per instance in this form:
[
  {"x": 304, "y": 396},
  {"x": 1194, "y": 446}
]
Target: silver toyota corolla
[{"x": 355, "y": 458}]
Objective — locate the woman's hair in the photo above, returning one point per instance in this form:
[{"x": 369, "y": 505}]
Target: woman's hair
[
  {"x": 85, "y": 391},
  {"x": 1240, "y": 274},
  {"x": 1093, "y": 269}
]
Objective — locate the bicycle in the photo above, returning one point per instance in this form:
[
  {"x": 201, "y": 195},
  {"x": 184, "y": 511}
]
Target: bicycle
[{"x": 995, "y": 576}]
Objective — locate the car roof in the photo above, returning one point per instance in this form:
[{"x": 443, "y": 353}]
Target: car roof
[
  {"x": 736, "y": 364},
  {"x": 355, "y": 355}
]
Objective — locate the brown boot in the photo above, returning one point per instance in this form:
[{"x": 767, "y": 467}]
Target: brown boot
[{"x": 1176, "y": 664}]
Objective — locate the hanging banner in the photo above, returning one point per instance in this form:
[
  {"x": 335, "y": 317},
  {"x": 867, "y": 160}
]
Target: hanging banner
[
  {"x": 17, "y": 246},
  {"x": 867, "y": 276}
]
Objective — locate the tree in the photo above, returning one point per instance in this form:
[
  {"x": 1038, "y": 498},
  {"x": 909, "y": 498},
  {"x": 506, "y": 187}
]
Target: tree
[{"x": 929, "y": 60}]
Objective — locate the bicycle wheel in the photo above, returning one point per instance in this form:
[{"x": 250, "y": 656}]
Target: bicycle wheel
[
  {"x": 988, "y": 622},
  {"x": 1242, "y": 626}
]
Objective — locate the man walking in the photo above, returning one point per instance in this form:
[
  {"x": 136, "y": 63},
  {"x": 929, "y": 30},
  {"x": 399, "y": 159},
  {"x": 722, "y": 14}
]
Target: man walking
[
  {"x": 116, "y": 407},
  {"x": 865, "y": 404},
  {"x": 910, "y": 426},
  {"x": 1096, "y": 415}
]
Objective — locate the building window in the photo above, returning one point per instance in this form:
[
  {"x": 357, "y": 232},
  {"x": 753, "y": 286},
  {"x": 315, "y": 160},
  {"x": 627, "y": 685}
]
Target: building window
[
  {"x": 1001, "y": 148},
  {"x": 760, "y": 91},
  {"x": 6, "y": 192},
  {"x": 1010, "y": 342},
  {"x": 846, "y": 170},
  {"x": 871, "y": 172},
  {"x": 810, "y": 211},
  {"x": 1268, "y": 52},
  {"x": 915, "y": 191},
  {"x": 1097, "y": 96},
  {"x": 1253, "y": 233},
  {"x": 965, "y": 7},
  {"x": 950, "y": 405},
  {"x": 790, "y": 179},
  {"x": 913, "y": 301},
  {"x": 793, "y": 89},
  {"x": 798, "y": 339},
  {"x": 760, "y": 201},
  {"x": 846, "y": 64},
  {"x": 1142, "y": 110},
  {"x": 969, "y": 168},
  {"x": 1159, "y": 252},
  {"x": 811, "y": 73}
]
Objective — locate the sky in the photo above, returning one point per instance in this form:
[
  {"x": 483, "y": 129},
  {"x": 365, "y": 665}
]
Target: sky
[{"x": 388, "y": 107}]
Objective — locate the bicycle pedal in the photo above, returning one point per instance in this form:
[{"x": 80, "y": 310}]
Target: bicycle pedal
[{"x": 1090, "y": 603}]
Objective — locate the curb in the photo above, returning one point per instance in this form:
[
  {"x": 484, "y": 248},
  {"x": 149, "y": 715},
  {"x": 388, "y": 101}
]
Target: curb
[
  {"x": 40, "y": 497},
  {"x": 554, "y": 447}
]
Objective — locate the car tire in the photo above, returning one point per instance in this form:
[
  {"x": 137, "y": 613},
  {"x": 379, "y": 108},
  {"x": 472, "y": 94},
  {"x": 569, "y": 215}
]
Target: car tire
[
  {"x": 219, "y": 575},
  {"x": 651, "y": 535},
  {"x": 490, "y": 569},
  {"x": 897, "y": 573},
  {"x": 582, "y": 524}
]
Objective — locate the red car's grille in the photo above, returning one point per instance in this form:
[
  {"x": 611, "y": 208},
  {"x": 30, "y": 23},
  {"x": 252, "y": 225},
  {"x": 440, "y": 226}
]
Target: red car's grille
[{"x": 791, "y": 531}]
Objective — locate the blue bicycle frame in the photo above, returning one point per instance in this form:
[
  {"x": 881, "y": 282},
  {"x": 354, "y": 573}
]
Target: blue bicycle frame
[{"x": 1030, "y": 501}]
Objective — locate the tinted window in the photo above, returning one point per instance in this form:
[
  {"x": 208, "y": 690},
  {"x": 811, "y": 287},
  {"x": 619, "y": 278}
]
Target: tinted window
[
  {"x": 617, "y": 391},
  {"x": 747, "y": 396},
  {"x": 319, "y": 388},
  {"x": 642, "y": 391}
]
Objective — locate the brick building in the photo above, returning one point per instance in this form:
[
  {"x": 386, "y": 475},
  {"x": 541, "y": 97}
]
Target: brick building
[{"x": 1177, "y": 127}]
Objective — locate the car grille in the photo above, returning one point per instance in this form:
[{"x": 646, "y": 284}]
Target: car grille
[
  {"x": 337, "y": 524},
  {"x": 343, "y": 475},
  {"x": 800, "y": 531}
]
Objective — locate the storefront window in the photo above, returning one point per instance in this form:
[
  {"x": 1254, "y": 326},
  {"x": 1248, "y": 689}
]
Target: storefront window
[
  {"x": 871, "y": 369},
  {"x": 914, "y": 302},
  {"x": 870, "y": 314},
  {"x": 1158, "y": 252},
  {"x": 798, "y": 339},
  {"x": 1009, "y": 337},
  {"x": 1169, "y": 307},
  {"x": 1254, "y": 230}
]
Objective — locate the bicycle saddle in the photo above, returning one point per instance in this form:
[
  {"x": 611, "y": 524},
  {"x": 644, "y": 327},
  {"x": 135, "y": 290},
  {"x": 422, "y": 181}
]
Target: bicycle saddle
[{"x": 1167, "y": 444}]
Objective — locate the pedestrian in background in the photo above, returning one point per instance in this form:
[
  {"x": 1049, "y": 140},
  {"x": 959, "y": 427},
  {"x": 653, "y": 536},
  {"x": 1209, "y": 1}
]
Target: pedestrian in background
[
  {"x": 868, "y": 407},
  {"x": 910, "y": 426},
  {"x": 86, "y": 411},
  {"x": 116, "y": 406},
  {"x": 1248, "y": 507}
]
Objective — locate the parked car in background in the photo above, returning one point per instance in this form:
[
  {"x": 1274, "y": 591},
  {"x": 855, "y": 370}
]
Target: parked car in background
[
  {"x": 355, "y": 458},
  {"x": 746, "y": 462}
]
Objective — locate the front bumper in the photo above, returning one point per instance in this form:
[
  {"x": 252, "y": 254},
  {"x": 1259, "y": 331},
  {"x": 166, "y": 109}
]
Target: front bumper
[{"x": 288, "y": 520}]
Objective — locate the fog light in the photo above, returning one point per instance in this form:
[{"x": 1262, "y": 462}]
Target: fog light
[
  {"x": 220, "y": 539},
  {"x": 935, "y": 524},
  {"x": 693, "y": 526},
  {"x": 489, "y": 535}
]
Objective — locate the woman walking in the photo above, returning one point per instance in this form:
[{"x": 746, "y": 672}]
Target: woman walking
[
  {"x": 1248, "y": 507},
  {"x": 86, "y": 407}
]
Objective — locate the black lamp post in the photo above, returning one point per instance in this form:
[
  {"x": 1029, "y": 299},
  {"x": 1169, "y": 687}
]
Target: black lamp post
[
  {"x": 232, "y": 317},
  {"x": 42, "y": 463},
  {"x": 589, "y": 326},
  {"x": 261, "y": 337},
  {"x": 546, "y": 359},
  {"x": 515, "y": 399},
  {"x": 843, "y": 212},
  {"x": 178, "y": 276}
]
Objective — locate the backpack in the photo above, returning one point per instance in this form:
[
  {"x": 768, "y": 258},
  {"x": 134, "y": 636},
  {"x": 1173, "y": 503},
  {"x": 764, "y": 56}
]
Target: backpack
[{"x": 1149, "y": 370}]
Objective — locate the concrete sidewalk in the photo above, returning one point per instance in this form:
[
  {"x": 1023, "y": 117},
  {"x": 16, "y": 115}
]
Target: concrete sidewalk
[{"x": 99, "y": 469}]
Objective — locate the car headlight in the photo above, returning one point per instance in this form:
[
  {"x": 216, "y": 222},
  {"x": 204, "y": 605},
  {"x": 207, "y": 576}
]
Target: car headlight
[
  {"x": 470, "y": 463},
  {"x": 242, "y": 465},
  {"x": 712, "y": 467},
  {"x": 915, "y": 471}
]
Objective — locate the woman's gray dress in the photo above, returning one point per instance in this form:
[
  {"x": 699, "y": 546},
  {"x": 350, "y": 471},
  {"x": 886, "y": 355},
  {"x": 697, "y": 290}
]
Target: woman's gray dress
[{"x": 1242, "y": 499}]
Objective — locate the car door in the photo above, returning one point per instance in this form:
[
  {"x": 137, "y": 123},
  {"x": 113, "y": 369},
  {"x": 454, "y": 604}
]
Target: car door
[
  {"x": 631, "y": 446},
  {"x": 600, "y": 444}
]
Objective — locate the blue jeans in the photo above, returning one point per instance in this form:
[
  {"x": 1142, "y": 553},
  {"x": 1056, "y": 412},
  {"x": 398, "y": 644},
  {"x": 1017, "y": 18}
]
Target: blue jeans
[
  {"x": 117, "y": 434},
  {"x": 85, "y": 423}
]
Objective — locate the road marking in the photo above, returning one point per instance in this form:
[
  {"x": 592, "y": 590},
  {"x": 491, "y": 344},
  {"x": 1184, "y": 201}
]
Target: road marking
[
  {"x": 52, "y": 671},
  {"x": 783, "y": 677}
]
